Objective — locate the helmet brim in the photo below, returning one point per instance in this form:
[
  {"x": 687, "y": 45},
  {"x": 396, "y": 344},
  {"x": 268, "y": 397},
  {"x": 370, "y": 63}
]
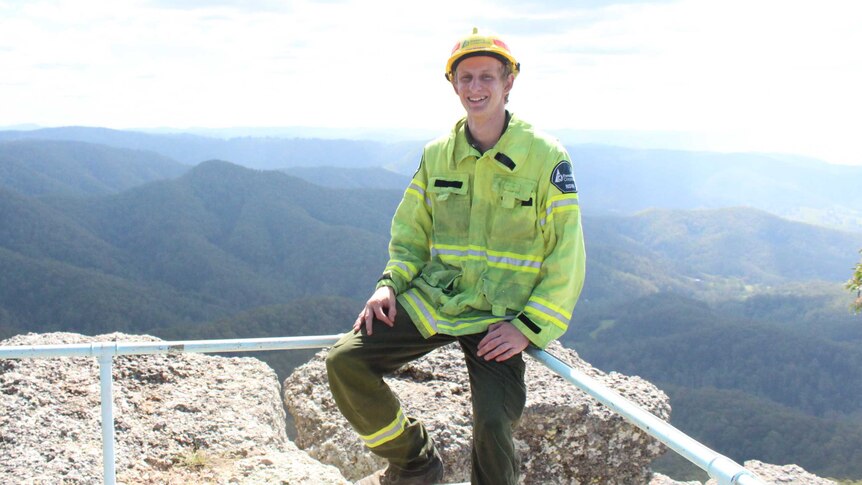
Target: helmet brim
[{"x": 515, "y": 67}]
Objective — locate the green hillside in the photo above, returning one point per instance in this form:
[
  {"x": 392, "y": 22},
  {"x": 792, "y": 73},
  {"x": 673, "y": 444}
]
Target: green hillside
[
  {"x": 219, "y": 240},
  {"x": 50, "y": 167},
  {"x": 744, "y": 243},
  {"x": 307, "y": 316},
  {"x": 37, "y": 230},
  {"x": 613, "y": 180},
  {"x": 253, "y": 238},
  {"x": 712, "y": 254},
  {"x": 668, "y": 338},
  {"x": 787, "y": 380},
  {"x": 351, "y": 178},
  {"x": 41, "y": 295},
  {"x": 736, "y": 301},
  {"x": 772, "y": 433}
]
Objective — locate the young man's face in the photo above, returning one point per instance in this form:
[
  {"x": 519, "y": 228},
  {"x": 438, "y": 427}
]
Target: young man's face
[{"x": 481, "y": 86}]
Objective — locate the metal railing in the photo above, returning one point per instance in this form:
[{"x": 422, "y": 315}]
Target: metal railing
[{"x": 719, "y": 467}]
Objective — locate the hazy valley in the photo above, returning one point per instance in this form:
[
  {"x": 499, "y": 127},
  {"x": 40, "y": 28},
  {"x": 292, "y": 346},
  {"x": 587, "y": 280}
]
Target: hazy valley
[{"x": 716, "y": 276}]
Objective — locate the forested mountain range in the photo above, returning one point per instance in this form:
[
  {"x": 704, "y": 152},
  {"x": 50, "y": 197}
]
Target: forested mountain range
[
  {"x": 737, "y": 313},
  {"x": 742, "y": 244},
  {"x": 261, "y": 153},
  {"x": 351, "y": 178},
  {"x": 763, "y": 386},
  {"x": 218, "y": 240},
  {"x": 50, "y": 167},
  {"x": 234, "y": 238},
  {"x": 612, "y": 180}
]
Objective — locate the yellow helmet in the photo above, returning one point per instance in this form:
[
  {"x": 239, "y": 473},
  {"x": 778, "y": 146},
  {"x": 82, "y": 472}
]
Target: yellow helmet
[{"x": 476, "y": 44}]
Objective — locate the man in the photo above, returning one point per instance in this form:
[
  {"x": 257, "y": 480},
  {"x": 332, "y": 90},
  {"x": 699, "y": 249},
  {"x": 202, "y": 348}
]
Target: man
[{"x": 486, "y": 250}]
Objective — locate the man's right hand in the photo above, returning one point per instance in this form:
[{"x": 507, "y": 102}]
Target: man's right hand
[{"x": 381, "y": 305}]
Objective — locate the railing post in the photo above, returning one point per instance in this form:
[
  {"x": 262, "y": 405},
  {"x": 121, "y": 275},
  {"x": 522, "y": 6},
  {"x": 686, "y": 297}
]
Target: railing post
[{"x": 106, "y": 381}]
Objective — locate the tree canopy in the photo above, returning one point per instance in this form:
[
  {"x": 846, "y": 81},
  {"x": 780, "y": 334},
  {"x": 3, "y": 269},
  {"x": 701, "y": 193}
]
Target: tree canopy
[{"x": 855, "y": 284}]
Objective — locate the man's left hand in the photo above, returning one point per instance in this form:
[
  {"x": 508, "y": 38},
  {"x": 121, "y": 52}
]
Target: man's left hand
[{"x": 503, "y": 341}]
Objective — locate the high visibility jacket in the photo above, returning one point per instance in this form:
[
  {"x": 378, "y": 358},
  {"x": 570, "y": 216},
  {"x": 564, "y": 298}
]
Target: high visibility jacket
[{"x": 480, "y": 238}]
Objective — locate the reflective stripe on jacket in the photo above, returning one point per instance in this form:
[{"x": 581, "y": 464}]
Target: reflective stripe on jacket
[{"x": 479, "y": 238}]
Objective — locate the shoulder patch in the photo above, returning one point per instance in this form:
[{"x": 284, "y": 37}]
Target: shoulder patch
[{"x": 563, "y": 178}]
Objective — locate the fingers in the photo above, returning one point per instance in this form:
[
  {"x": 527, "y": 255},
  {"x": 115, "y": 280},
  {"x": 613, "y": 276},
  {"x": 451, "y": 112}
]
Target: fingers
[
  {"x": 498, "y": 350},
  {"x": 503, "y": 355},
  {"x": 374, "y": 311},
  {"x": 502, "y": 342},
  {"x": 383, "y": 317},
  {"x": 490, "y": 340},
  {"x": 489, "y": 343},
  {"x": 369, "y": 321},
  {"x": 362, "y": 320},
  {"x": 391, "y": 313}
]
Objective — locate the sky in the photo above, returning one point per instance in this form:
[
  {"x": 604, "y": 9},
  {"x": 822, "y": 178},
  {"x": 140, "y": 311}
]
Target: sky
[{"x": 727, "y": 75}]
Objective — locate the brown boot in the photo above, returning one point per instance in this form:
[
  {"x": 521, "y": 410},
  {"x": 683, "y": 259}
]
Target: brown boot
[{"x": 427, "y": 475}]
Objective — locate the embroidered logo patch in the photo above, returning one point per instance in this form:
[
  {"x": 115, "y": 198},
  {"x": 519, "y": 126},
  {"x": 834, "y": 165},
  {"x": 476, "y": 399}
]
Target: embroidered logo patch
[{"x": 563, "y": 179}]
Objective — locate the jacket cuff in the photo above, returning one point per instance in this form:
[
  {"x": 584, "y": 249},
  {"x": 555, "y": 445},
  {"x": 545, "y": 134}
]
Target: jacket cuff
[
  {"x": 535, "y": 334},
  {"x": 387, "y": 280}
]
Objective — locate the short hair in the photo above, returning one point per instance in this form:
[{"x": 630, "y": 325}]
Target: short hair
[{"x": 506, "y": 71}]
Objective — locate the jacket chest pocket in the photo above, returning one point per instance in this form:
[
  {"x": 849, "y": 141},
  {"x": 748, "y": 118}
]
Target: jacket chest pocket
[
  {"x": 514, "y": 209},
  {"x": 450, "y": 203}
]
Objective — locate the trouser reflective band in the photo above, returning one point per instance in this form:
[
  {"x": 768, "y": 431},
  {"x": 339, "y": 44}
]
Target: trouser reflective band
[{"x": 388, "y": 433}]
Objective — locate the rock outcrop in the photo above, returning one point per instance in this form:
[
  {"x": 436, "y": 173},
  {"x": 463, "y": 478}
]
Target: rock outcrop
[
  {"x": 659, "y": 479},
  {"x": 564, "y": 436},
  {"x": 781, "y": 474},
  {"x": 767, "y": 473},
  {"x": 186, "y": 418},
  {"x": 192, "y": 418}
]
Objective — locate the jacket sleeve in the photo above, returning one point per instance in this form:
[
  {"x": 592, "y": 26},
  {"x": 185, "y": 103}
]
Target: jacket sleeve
[
  {"x": 409, "y": 245},
  {"x": 549, "y": 309}
]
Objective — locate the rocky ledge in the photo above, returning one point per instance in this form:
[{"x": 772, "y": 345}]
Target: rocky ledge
[
  {"x": 180, "y": 419},
  {"x": 564, "y": 436},
  {"x": 192, "y": 418}
]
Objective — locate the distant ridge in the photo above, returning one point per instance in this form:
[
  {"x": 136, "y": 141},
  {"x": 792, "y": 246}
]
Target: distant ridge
[
  {"x": 218, "y": 240},
  {"x": 351, "y": 178},
  {"x": 52, "y": 167},
  {"x": 612, "y": 180},
  {"x": 260, "y": 153},
  {"x": 624, "y": 181},
  {"x": 735, "y": 242}
]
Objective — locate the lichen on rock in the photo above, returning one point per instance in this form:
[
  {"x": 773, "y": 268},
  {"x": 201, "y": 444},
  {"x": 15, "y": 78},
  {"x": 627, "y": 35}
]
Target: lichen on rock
[
  {"x": 185, "y": 418},
  {"x": 564, "y": 435}
]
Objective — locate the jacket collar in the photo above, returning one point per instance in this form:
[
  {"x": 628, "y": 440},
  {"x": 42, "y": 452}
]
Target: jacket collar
[{"x": 509, "y": 153}]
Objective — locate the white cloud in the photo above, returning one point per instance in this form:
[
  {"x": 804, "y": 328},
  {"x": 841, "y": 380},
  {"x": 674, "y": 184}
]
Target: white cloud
[{"x": 765, "y": 74}]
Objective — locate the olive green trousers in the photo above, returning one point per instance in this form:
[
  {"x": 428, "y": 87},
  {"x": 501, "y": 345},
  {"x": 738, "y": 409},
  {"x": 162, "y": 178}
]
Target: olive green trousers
[{"x": 356, "y": 366}]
